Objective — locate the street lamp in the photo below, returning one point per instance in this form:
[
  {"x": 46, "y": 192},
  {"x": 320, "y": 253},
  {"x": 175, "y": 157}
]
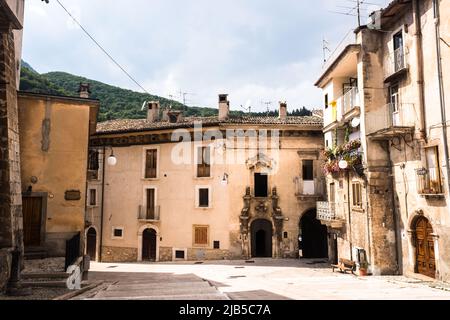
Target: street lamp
[
  {"x": 224, "y": 180},
  {"x": 112, "y": 160}
]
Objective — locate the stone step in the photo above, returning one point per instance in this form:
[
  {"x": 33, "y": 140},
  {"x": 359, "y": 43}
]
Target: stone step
[
  {"x": 45, "y": 275},
  {"x": 162, "y": 280},
  {"x": 161, "y": 285},
  {"x": 44, "y": 284},
  {"x": 149, "y": 292},
  {"x": 206, "y": 296},
  {"x": 35, "y": 255}
]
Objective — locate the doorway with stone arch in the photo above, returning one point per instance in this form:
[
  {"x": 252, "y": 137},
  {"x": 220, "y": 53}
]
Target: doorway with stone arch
[
  {"x": 149, "y": 244},
  {"x": 425, "y": 253},
  {"x": 91, "y": 243},
  {"x": 261, "y": 238},
  {"x": 314, "y": 236}
]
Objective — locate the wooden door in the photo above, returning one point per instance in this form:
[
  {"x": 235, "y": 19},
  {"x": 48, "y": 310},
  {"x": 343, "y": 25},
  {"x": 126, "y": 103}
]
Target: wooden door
[
  {"x": 32, "y": 220},
  {"x": 425, "y": 259},
  {"x": 91, "y": 244},
  {"x": 149, "y": 245}
]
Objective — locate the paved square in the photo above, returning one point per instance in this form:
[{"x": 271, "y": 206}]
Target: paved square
[{"x": 263, "y": 279}]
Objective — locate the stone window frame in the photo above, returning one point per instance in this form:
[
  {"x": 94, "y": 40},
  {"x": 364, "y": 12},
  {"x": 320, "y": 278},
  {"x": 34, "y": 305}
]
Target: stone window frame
[
  {"x": 116, "y": 237},
  {"x": 174, "y": 250},
  {"x": 358, "y": 206},
  {"x": 197, "y": 196},
  {"x": 144, "y": 161},
  {"x": 89, "y": 197}
]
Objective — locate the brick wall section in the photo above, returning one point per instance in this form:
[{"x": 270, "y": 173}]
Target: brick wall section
[{"x": 11, "y": 234}]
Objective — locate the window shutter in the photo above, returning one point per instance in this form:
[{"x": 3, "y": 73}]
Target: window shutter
[
  {"x": 201, "y": 235},
  {"x": 150, "y": 163}
]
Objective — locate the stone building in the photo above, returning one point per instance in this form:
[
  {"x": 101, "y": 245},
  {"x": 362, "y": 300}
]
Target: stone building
[
  {"x": 11, "y": 21},
  {"x": 386, "y": 132},
  {"x": 54, "y": 138},
  {"x": 223, "y": 192}
]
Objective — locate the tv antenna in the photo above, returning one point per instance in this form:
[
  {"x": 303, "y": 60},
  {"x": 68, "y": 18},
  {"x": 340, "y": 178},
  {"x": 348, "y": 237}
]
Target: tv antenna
[
  {"x": 183, "y": 96},
  {"x": 248, "y": 106},
  {"x": 325, "y": 49},
  {"x": 355, "y": 10},
  {"x": 267, "y": 104}
]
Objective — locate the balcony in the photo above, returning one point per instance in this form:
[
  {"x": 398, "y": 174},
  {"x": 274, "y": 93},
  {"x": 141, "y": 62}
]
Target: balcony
[
  {"x": 429, "y": 182},
  {"x": 342, "y": 110},
  {"x": 351, "y": 104},
  {"x": 393, "y": 120},
  {"x": 151, "y": 214},
  {"x": 92, "y": 175},
  {"x": 326, "y": 213},
  {"x": 395, "y": 64},
  {"x": 309, "y": 189}
]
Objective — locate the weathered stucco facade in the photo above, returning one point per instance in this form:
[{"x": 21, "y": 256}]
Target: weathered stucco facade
[
  {"x": 384, "y": 89},
  {"x": 232, "y": 206},
  {"x": 54, "y": 138}
]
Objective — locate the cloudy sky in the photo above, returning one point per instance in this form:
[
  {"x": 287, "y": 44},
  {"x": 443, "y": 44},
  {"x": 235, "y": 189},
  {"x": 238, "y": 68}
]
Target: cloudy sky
[{"x": 257, "y": 50}]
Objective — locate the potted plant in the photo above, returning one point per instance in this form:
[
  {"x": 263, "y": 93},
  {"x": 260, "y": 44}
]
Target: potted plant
[{"x": 363, "y": 266}]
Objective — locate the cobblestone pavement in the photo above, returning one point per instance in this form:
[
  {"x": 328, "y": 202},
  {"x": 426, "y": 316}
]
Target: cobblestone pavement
[{"x": 262, "y": 279}]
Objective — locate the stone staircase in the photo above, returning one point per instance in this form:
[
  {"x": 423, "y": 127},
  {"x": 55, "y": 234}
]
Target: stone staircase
[
  {"x": 35, "y": 253},
  {"x": 45, "y": 279}
]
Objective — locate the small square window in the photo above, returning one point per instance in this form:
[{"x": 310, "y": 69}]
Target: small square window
[
  {"x": 216, "y": 244},
  {"x": 179, "y": 254},
  {"x": 118, "y": 233},
  {"x": 285, "y": 235}
]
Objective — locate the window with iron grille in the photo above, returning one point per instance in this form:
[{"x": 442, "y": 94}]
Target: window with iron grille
[
  {"x": 203, "y": 162},
  {"x": 151, "y": 163},
  {"x": 201, "y": 235},
  {"x": 216, "y": 244}
]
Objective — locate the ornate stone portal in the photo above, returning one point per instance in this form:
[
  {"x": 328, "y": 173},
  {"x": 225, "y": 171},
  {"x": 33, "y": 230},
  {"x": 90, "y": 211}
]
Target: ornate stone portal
[{"x": 262, "y": 209}]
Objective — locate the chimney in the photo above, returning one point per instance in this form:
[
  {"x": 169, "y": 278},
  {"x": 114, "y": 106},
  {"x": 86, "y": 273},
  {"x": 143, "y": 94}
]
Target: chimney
[
  {"x": 224, "y": 107},
  {"x": 153, "y": 111},
  {"x": 84, "y": 90},
  {"x": 165, "y": 114},
  {"x": 283, "y": 111}
]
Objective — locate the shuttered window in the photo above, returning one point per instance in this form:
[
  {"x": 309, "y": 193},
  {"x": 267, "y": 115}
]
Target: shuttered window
[
  {"x": 357, "y": 195},
  {"x": 203, "y": 162},
  {"x": 150, "y": 202},
  {"x": 150, "y": 163},
  {"x": 201, "y": 235},
  {"x": 92, "y": 197}
]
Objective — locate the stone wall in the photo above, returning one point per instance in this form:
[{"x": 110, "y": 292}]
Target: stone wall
[
  {"x": 11, "y": 234},
  {"x": 5, "y": 268},
  {"x": 165, "y": 254},
  {"x": 117, "y": 254},
  {"x": 195, "y": 254}
]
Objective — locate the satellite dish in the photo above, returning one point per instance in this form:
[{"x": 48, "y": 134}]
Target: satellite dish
[
  {"x": 356, "y": 122},
  {"x": 143, "y": 105}
]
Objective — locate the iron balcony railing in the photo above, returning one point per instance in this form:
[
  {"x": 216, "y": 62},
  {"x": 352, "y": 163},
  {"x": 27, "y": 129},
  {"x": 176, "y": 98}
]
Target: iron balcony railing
[
  {"x": 350, "y": 99},
  {"x": 429, "y": 181},
  {"x": 395, "y": 62},
  {"x": 392, "y": 115},
  {"x": 326, "y": 210},
  {"x": 309, "y": 187},
  {"x": 149, "y": 213}
]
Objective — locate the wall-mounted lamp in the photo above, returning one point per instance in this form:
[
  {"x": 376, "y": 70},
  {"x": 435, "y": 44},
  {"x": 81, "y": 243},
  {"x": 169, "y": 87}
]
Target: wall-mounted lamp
[
  {"x": 343, "y": 164},
  {"x": 224, "y": 180},
  {"x": 112, "y": 160}
]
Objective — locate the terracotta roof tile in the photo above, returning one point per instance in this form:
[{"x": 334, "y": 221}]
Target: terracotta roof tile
[{"x": 134, "y": 125}]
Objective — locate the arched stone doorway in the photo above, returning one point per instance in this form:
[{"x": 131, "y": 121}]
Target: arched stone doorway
[
  {"x": 314, "y": 236},
  {"x": 149, "y": 245},
  {"x": 425, "y": 254},
  {"x": 91, "y": 243},
  {"x": 261, "y": 233}
]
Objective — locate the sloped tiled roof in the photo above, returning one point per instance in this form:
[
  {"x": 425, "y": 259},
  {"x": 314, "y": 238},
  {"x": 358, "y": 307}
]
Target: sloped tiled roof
[{"x": 136, "y": 125}]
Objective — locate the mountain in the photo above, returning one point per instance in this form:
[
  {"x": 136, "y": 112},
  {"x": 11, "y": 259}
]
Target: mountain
[{"x": 115, "y": 102}]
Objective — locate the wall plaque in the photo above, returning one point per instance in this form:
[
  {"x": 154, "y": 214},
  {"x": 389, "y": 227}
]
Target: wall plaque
[{"x": 72, "y": 195}]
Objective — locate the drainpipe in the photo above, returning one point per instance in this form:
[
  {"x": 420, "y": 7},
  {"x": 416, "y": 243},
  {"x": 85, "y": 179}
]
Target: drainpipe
[
  {"x": 441, "y": 88},
  {"x": 103, "y": 205},
  {"x": 349, "y": 216},
  {"x": 394, "y": 212},
  {"x": 419, "y": 75}
]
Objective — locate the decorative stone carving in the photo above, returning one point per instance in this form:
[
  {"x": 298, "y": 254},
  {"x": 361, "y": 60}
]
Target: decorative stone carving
[
  {"x": 260, "y": 160},
  {"x": 261, "y": 208},
  {"x": 277, "y": 215}
]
